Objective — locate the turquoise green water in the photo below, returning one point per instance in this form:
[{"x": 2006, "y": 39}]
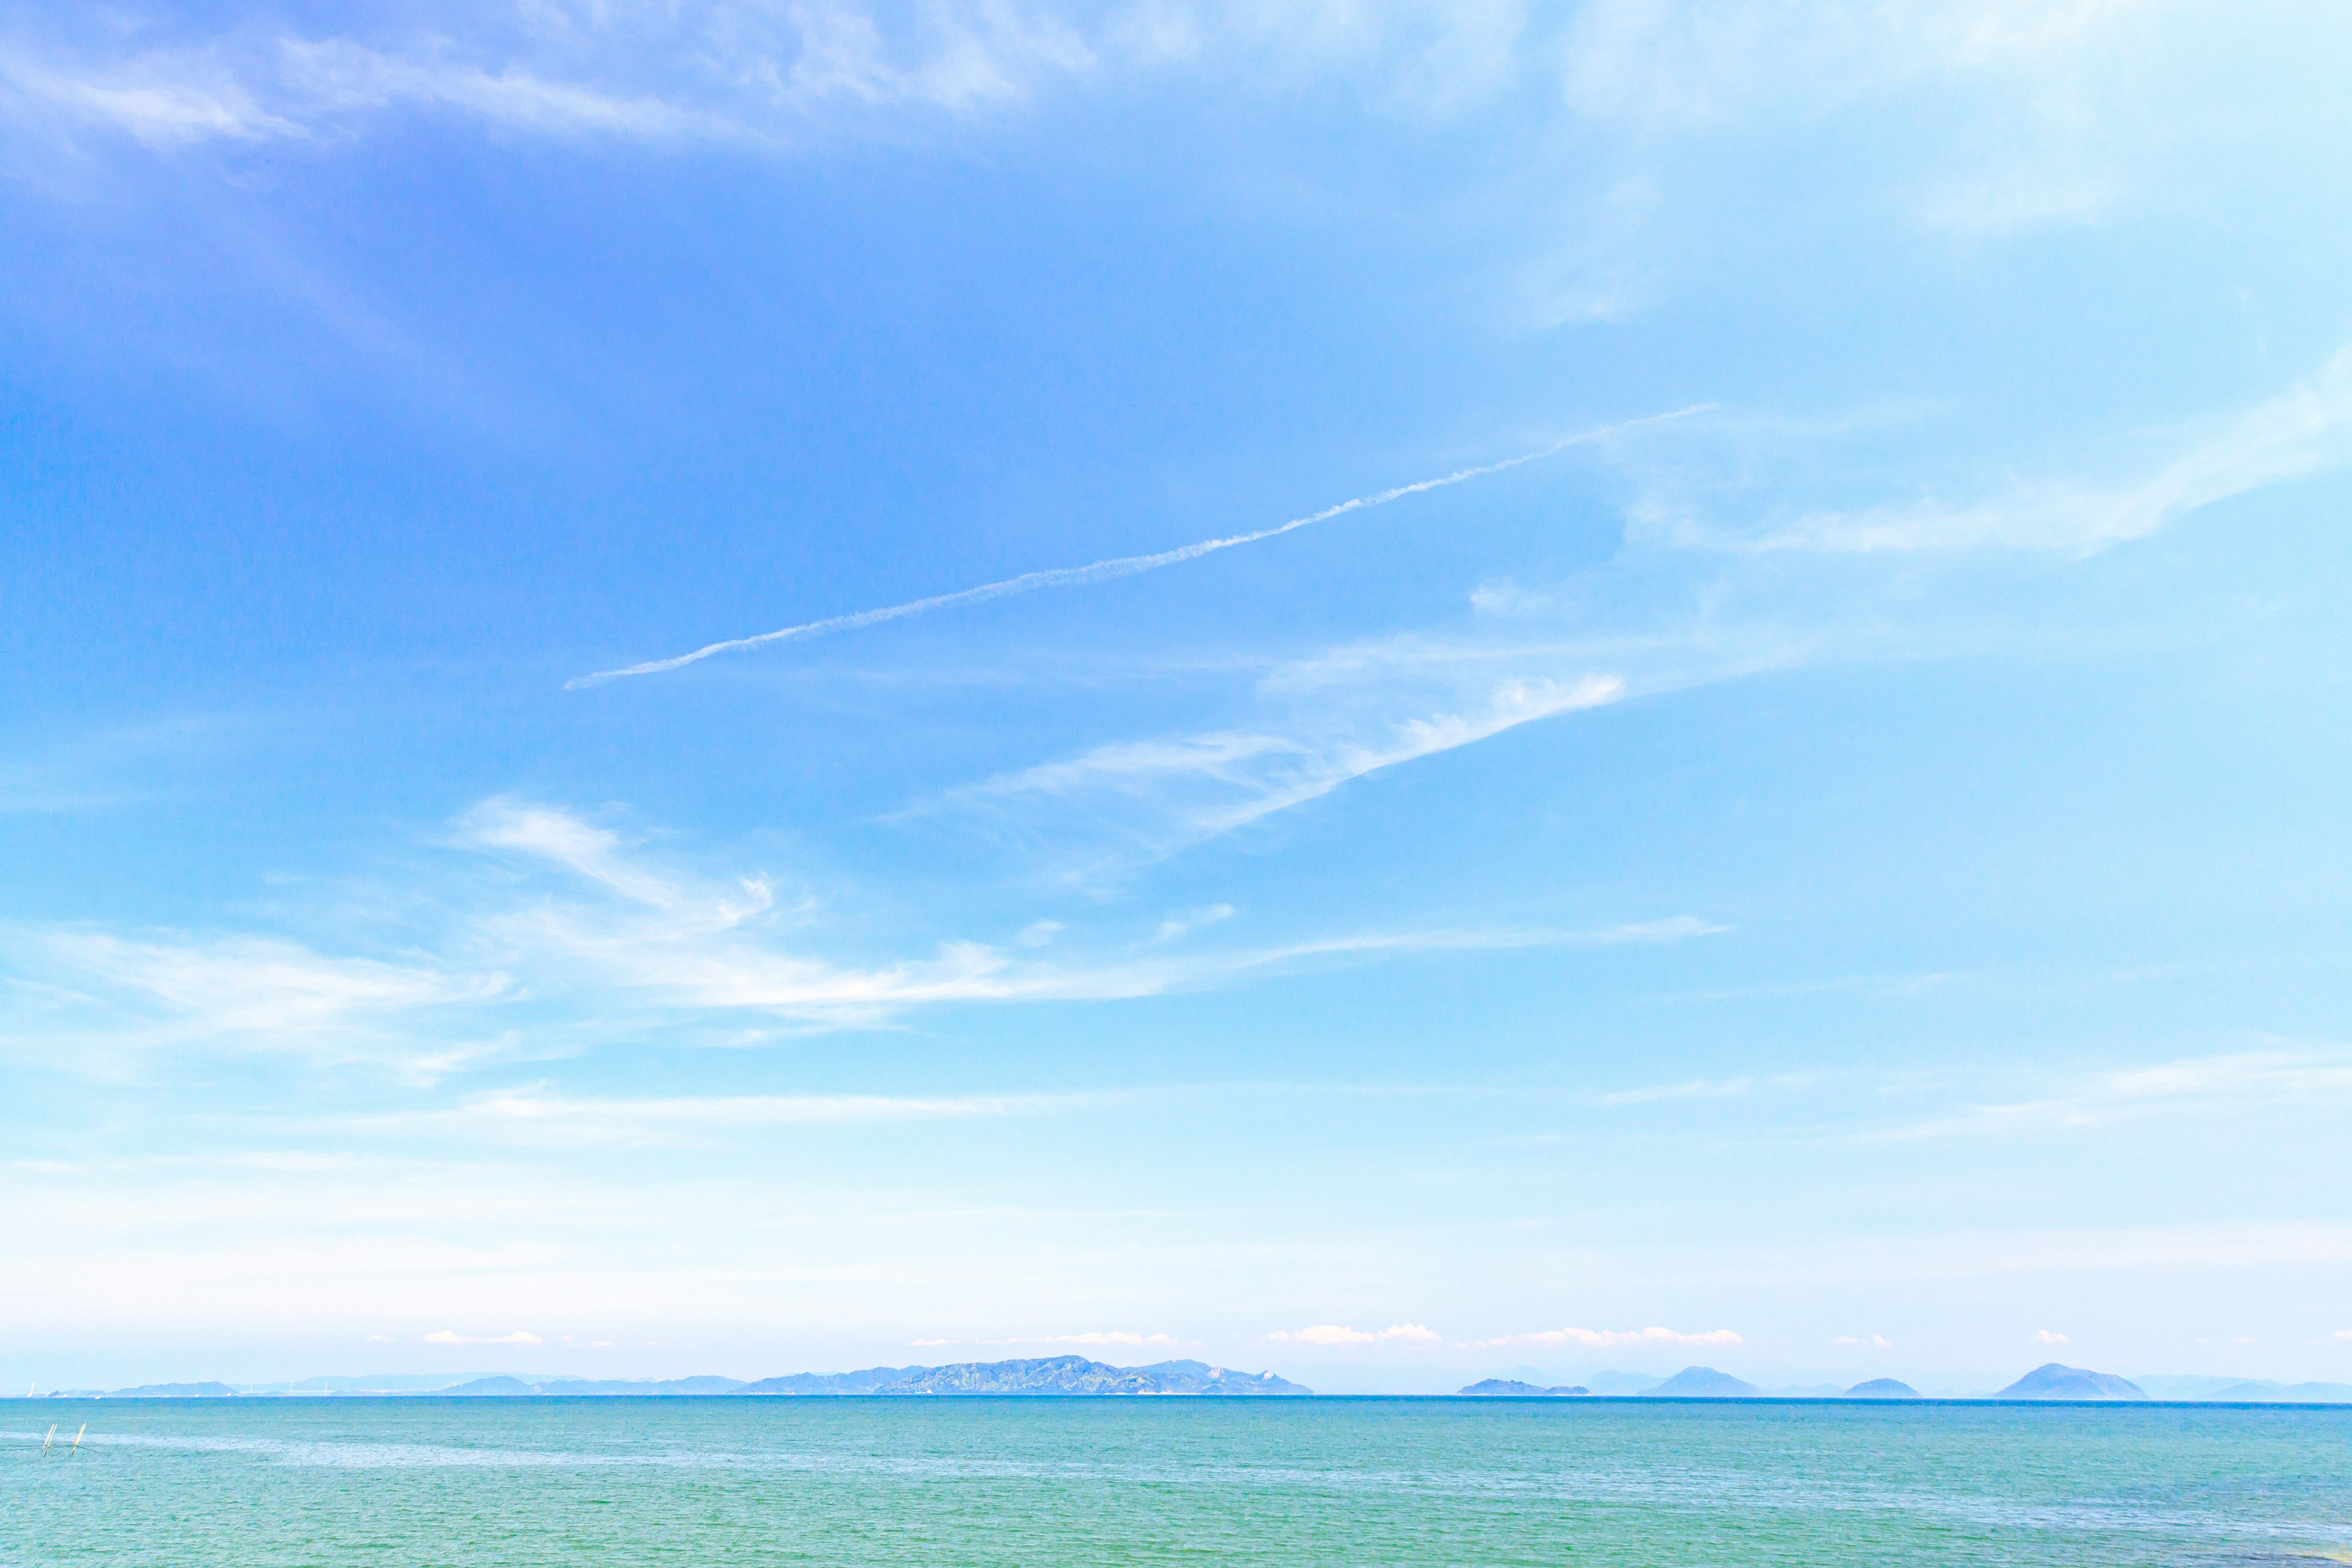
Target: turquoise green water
[{"x": 1084, "y": 1481}]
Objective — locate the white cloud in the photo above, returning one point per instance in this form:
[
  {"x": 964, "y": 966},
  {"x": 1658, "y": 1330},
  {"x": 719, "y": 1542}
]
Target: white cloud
[
  {"x": 336, "y": 79},
  {"x": 2045, "y": 1337},
  {"x": 565, "y": 839},
  {"x": 731, "y": 69},
  {"x": 610, "y": 944},
  {"x": 1987, "y": 117},
  {"x": 2198, "y": 1084},
  {"x": 1154, "y": 798},
  {"x": 1874, "y": 1341},
  {"x": 1610, "y": 1339},
  {"x": 451, "y": 1337},
  {"x": 712, "y": 73},
  {"x": 730, "y": 961},
  {"x": 1341, "y": 1334},
  {"x": 1184, "y": 924},
  {"x": 251, "y": 984},
  {"x": 2305, "y": 430},
  {"x": 106, "y": 995},
  {"x": 2014, "y": 115},
  {"x": 163, "y": 99},
  {"x": 1697, "y": 63}
]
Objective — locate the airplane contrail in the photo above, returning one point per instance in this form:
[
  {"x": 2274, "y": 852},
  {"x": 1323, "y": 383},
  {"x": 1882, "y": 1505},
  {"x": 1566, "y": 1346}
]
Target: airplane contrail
[{"x": 1123, "y": 566}]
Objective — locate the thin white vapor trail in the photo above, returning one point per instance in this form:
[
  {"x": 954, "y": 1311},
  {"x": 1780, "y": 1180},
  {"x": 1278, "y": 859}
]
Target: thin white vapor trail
[{"x": 1123, "y": 566}]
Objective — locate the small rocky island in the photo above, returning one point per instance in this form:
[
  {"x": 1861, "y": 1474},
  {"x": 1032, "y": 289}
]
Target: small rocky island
[
  {"x": 1512, "y": 1388},
  {"x": 2053, "y": 1380}
]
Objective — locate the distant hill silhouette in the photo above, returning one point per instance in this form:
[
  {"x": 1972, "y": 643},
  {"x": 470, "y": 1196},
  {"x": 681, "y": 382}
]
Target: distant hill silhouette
[
  {"x": 2055, "y": 1381},
  {"x": 1199, "y": 1377},
  {"x": 1512, "y": 1388},
  {"x": 1047, "y": 1375},
  {"x": 1077, "y": 1375},
  {"x": 490, "y": 1385},
  {"x": 173, "y": 1391},
  {"x": 865, "y": 1381},
  {"x": 1702, "y": 1382},
  {"x": 1064, "y": 1374}
]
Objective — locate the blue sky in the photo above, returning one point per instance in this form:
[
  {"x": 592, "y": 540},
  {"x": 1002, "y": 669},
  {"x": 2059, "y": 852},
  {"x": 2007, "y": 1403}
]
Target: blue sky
[{"x": 1833, "y": 866}]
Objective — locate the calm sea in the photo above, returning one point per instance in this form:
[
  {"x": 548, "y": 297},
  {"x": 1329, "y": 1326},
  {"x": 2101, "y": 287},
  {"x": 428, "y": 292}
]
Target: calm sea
[{"x": 1085, "y": 1481}]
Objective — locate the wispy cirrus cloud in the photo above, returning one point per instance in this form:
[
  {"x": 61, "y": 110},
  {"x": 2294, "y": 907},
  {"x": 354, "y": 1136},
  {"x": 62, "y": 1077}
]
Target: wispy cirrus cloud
[
  {"x": 713, "y": 72},
  {"x": 2305, "y": 430},
  {"x": 1148, "y": 799},
  {"x": 452, "y": 1337},
  {"x": 2202, "y": 1085},
  {"x": 109, "y": 996},
  {"x": 586, "y": 848},
  {"x": 162, "y": 98},
  {"x": 1696, "y": 595},
  {"x": 731, "y": 958},
  {"x": 252, "y": 984},
  {"x": 598, "y": 935}
]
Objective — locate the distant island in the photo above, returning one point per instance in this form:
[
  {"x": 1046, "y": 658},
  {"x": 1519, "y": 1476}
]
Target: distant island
[
  {"x": 1512, "y": 1388},
  {"x": 1073, "y": 1375},
  {"x": 1702, "y": 1383},
  {"x": 1046, "y": 1376},
  {"x": 2054, "y": 1381},
  {"x": 1051, "y": 1375}
]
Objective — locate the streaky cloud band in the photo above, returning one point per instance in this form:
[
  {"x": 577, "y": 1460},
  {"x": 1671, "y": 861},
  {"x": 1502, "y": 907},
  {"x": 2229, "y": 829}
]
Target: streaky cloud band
[{"x": 1122, "y": 566}]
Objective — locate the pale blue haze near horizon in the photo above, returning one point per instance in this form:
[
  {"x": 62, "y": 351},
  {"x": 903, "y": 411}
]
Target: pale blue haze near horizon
[{"x": 1835, "y": 869}]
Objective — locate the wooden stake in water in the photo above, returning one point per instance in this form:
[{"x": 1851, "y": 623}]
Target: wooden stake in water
[
  {"x": 50, "y": 1438},
  {"x": 76, "y": 1448}
]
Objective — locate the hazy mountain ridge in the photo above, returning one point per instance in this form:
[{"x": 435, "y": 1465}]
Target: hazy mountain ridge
[
  {"x": 1077, "y": 1375},
  {"x": 1049, "y": 1375}
]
